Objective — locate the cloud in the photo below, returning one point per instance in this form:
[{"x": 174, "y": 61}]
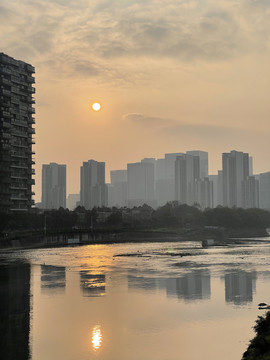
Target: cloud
[
  {"x": 5, "y": 13},
  {"x": 174, "y": 128},
  {"x": 142, "y": 119},
  {"x": 86, "y": 68},
  {"x": 119, "y": 34}
]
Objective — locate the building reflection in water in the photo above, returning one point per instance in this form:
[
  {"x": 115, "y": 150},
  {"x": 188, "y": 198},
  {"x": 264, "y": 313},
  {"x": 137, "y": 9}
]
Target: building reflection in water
[
  {"x": 239, "y": 286},
  {"x": 53, "y": 278},
  {"x": 96, "y": 338},
  {"x": 192, "y": 286},
  {"x": 92, "y": 285},
  {"x": 14, "y": 311}
]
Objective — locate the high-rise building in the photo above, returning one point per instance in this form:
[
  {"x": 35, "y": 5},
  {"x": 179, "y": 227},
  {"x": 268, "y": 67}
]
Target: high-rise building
[
  {"x": 117, "y": 190},
  {"x": 203, "y": 156},
  {"x": 93, "y": 188},
  {"x": 187, "y": 172},
  {"x": 141, "y": 184},
  {"x": 73, "y": 200},
  {"x": 164, "y": 186},
  {"x": 251, "y": 192},
  {"x": 204, "y": 195},
  {"x": 53, "y": 186},
  {"x": 264, "y": 179},
  {"x": 16, "y": 133},
  {"x": 118, "y": 176},
  {"x": 235, "y": 170},
  {"x": 165, "y": 178},
  {"x": 217, "y": 188}
]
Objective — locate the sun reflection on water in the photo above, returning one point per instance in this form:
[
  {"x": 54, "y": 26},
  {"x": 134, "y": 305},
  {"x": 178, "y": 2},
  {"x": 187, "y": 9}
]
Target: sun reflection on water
[{"x": 96, "y": 338}]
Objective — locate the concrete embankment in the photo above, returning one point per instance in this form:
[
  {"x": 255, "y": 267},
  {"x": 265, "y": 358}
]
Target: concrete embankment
[
  {"x": 28, "y": 240},
  {"x": 56, "y": 240}
]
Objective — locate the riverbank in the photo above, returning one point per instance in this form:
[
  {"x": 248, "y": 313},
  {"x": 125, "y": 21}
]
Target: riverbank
[
  {"x": 259, "y": 347},
  {"x": 110, "y": 236},
  {"x": 86, "y": 238}
]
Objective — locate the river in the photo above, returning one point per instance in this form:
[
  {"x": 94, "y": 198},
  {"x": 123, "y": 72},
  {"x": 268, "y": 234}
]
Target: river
[{"x": 147, "y": 301}]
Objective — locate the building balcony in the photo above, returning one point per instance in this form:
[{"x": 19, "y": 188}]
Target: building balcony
[
  {"x": 20, "y": 155},
  {"x": 13, "y": 187},
  {"x": 30, "y": 68},
  {"x": 15, "y": 100},
  {"x": 19, "y": 166},
  {"x": 19, "y": 123},
  {"x": 6, "y": 71},
  {"x": 19, "y": 146},
  {"x": 5, "y": 81},
  {"x": 5, "y": 135},
  {"x": 6, "y": 146},
  {"x": 6, "y": 115},
  {"x": 6, "y": 124},
  {"x": 16, "y": 176},
  {"x": 6, "y": 92},
  {"x": 31, "y": 79}
]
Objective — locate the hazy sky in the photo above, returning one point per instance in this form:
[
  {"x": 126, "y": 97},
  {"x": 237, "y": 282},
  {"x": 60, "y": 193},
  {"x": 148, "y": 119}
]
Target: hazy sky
[{"x": 171, "y": 75}]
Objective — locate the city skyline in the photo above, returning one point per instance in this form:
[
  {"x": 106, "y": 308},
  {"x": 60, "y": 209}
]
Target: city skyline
[
  {"x": 109, "y": 170},
  {"x": 185, "y": 75},
  {"x": 178, "y": 177}
]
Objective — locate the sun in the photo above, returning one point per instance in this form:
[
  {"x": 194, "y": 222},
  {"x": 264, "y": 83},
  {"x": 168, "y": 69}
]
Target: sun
[{"x": 96, "y": 106}]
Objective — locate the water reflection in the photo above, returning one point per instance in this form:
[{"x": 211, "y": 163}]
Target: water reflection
[
  {"x": 192, "y": 286},
  {"x": 53, "y": 278},
  {"x": 96, "y": 338},
  {"x": 92, "y": 285},
  {"x": 14, "y": 311},
  {"x": 240, "y": 286}
]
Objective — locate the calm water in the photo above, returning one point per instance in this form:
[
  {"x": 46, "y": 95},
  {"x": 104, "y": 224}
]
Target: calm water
[{"x": 150, "y": 301}]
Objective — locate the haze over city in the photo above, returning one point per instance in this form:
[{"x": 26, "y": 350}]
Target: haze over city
[{"x": 170, "y": 77}]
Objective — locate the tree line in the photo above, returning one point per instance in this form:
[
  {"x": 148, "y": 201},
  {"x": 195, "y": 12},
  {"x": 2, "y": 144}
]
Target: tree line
[{"x": 171, "y": 215}]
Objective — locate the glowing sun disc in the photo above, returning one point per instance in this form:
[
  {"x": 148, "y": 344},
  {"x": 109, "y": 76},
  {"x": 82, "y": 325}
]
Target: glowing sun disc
[{"x": 96, "y": 106}]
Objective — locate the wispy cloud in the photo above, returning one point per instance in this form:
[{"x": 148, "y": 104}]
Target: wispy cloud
[
  {"x": 174, "y": 128},
  {"x": 114, "y": 32}
]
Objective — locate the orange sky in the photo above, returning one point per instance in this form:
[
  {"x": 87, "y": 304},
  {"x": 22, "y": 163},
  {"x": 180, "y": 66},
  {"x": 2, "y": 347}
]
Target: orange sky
[{"x": 171, "y": 76}]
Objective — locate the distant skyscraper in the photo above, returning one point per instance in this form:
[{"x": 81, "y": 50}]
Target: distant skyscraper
[
  {"x": 250, "y": 162},
  {"x": 164, "y": 186},
  {"x": 251, "y": 192},
  {"x": 265, "y": 190},
  {"x": 141, "y": 184},
  {"x": 117, "y": 190},
  {"x": 118, "y": 176},
  {"x": 217, "y": 188},
  {"x": 93, "y": 187},
  {"x": 165, "y": 178},
  {"x": 16, "y": 131},
  {"x": 187, "y": 172},
  {"x": 73, "y": 200},
  {"x": 53, "y": 186},
  {"x": 235, "y": 170},
  {"x": 204, "y": 193},
  {"x": 203, "y": 155}
]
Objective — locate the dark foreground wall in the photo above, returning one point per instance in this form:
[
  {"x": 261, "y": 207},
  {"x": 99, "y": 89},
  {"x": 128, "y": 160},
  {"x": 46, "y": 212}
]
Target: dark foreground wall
[{"x": 14, "y": 311}]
